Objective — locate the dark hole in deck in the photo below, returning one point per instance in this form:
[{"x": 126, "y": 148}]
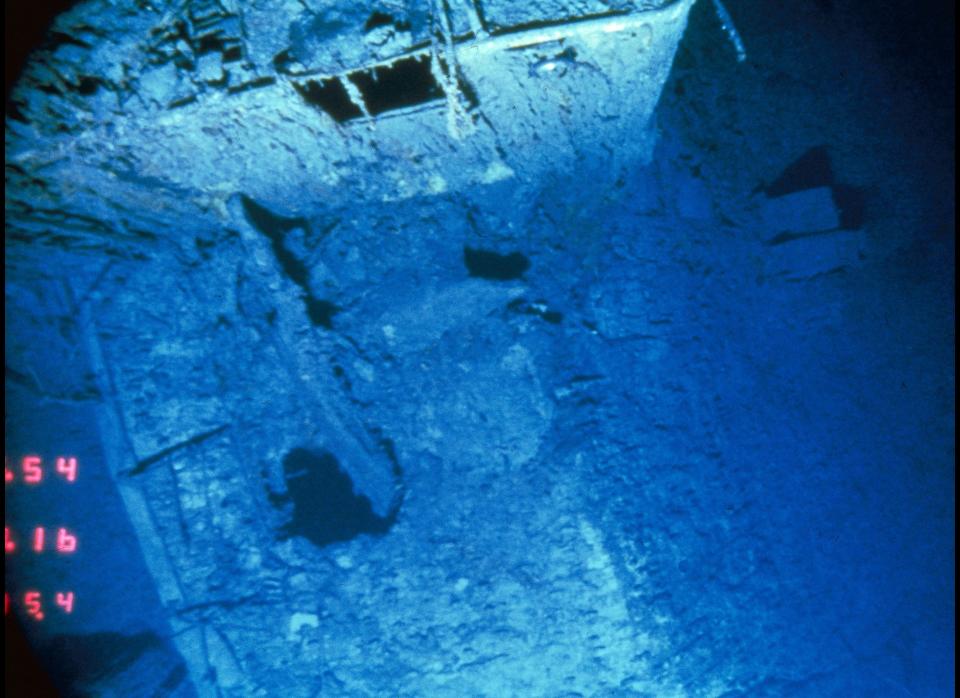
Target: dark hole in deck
[
  {"x": 485, "y": 264},
  {"x": 406, "y": 83},
  {"x": 320, "y": 311},
  {"x": 812, "y": 169},
  {"x": 325, "y": 507},
  {"x": 331, "y": 96},
  {"x": 382, "y": 19}
]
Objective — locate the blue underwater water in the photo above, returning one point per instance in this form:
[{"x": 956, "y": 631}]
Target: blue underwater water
[{"x": 598, "y": 406}]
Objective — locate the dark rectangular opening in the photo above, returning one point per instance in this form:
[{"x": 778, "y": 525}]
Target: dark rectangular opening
[
  {"x": 232, "y": 53},
  {"x": 331, "y": 96},
  {"x": 407, "y": 82}
]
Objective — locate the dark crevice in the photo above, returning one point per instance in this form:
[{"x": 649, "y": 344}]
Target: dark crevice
[
  {"x": 325, "y": 507},
  {"x": 388, "y": 447},
  {"x": 275, "y": 228},
  {"x": 182, "y": 101},
  {"x": 783, "y": 238},
  {"x": 321, "y": 312},
  {"x": 57, "y": 39},
  {"x": 87, "y": 85},
  {"x": 485, "y": 264},
  {"x": 281, "y": 63},
  {"x": 554, "y": 317},
  {"x": 208, "y": 44},
  {"x": 145, "y": 463},
  {"x": 391, "y": 451},
  {"x": 49, "y": 89},
  {"x": 15, "y": 111}
]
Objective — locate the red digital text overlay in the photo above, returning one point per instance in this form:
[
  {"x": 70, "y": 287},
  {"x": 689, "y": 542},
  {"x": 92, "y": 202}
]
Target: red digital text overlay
[
  {"x": 35, "y": 539},
  {"x": 41, "y": 539},
  {"x": 33, "y": 470},
  {"x": 35, "y": 604}
]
